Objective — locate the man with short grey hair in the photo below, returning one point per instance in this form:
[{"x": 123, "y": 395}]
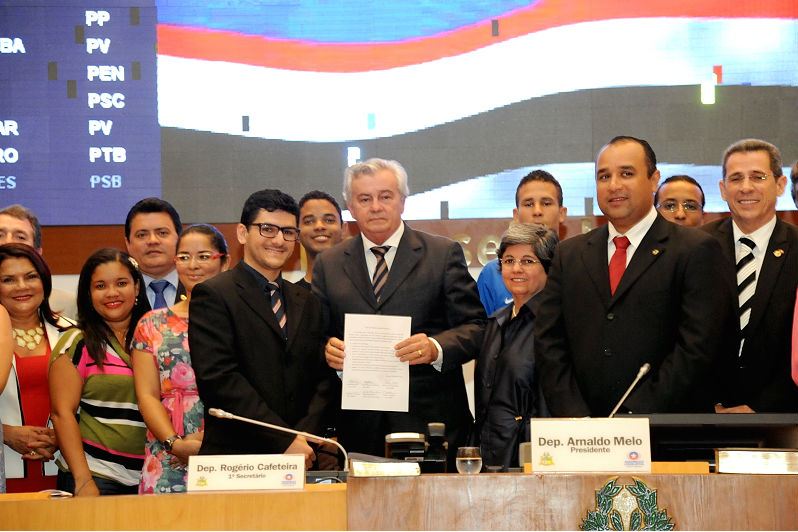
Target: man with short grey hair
[
  {"x": 19, "y": 224},
  {"x": 390, "y": 268}
]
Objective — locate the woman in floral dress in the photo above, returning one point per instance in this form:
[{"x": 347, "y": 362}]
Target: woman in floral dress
[{"x": 165, "y": 383}]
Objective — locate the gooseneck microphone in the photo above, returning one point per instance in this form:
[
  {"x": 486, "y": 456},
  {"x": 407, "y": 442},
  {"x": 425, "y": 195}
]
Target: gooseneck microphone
[
  {"x": 641, "y": 372},
  {"x": 218, "y": 412}
]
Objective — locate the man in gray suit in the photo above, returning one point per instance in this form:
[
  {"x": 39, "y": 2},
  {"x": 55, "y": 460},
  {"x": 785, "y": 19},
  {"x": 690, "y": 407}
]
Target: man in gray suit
[{"x": 390, "y": 268}]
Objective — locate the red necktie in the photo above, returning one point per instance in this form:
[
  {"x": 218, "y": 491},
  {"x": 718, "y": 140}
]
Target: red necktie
[{"x": 618, "y": 261}]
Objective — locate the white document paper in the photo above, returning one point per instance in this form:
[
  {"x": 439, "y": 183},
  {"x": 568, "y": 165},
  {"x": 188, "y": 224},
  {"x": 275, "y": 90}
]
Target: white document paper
[{"x": 374, "y": 377}]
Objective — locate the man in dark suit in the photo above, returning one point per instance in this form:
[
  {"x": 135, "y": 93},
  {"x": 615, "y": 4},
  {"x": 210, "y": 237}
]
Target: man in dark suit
[
  {"x": 152, "y": 227},
  {"x": 637, "y": 290},
  {"x": 419, "y": 275},
  {"x": 756, "y": 376},
  {"x": 256, "y": 340}
]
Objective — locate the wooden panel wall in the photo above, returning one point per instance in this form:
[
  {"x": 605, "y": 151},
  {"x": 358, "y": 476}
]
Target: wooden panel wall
[{"x": 67, "y": 247}]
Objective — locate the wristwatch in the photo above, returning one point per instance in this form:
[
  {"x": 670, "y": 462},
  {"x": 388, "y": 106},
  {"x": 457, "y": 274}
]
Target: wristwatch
[{"x": 168, "y": 442}]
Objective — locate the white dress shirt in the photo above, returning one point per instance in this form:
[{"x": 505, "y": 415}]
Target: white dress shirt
[{"x": 635, "y": 235}]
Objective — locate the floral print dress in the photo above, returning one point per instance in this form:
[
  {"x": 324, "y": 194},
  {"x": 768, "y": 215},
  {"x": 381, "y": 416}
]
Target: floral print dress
[{"x": 165, "y": 334}]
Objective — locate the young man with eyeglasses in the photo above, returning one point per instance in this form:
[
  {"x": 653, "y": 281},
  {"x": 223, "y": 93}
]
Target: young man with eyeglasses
[
  {"x": 756, "y": 370},
  {"x": 256, "y": 340},
  {"x": 680, "y": 199}
]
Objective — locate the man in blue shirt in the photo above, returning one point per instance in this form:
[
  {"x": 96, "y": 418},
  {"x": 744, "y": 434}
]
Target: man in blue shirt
[{"x": 538, "y": 199}]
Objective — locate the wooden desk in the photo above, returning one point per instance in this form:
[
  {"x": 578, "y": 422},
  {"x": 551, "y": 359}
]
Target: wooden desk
[
  {"x": 428, "y": 502},
  {"x": 317, "y": 507},
  {"x": 560, "y": 502}
]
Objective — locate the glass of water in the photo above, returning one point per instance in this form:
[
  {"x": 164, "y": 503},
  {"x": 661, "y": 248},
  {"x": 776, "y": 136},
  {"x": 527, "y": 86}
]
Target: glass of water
[{"x": 469, "y": 461}]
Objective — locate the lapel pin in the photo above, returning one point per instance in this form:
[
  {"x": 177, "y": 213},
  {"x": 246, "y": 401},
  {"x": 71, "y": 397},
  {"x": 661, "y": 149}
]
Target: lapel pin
[
  {"x": 778, "y": 253},
  {"x": 655, "y": 252}
]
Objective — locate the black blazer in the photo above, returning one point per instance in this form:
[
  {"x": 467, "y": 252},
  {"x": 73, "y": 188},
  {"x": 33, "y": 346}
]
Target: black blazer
[
  {"x": 428, "y": 281},
  {"x": 671, "y": 309},
  {"x": 760, "y": 376},
  {"x": 244, "y": 366}
]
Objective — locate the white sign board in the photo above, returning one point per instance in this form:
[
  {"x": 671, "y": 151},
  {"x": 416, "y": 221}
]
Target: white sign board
[
  {"x": 246, "y": 472},
  {"x": 590, "y": 445}
]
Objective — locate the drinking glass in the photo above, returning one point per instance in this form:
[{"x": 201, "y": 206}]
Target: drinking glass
[{"x": 468, "y": 461}]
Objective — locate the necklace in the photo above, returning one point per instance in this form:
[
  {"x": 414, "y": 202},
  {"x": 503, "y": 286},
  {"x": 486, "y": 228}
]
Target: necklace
[{"x": 30, "y": 338}]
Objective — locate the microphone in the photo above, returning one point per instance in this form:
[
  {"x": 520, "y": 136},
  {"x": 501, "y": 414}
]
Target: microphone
[
  {"x": 641, "y": 372},
  {"x": 218, "y": 412}
]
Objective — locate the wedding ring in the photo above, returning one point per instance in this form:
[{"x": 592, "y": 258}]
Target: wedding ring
[
  {"x": 32, "y": 453},
  {"x": 419, "y": 353}
]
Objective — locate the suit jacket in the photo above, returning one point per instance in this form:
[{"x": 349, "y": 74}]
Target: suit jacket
[
  {"x": 428, "y": 281},
  {"x": 760, "y": 376},
  {"x": 670, "y": 309},
  {"x": 245, "y": 366},
  {"x": 181, "y": 291}
]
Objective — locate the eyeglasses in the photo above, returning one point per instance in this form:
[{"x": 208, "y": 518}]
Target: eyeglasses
[
  {"x": 756, "y": 177},
  {"x": 525, "y": 263},
  {"x": 290, "y": 234},
  {"x": 673, "y": 206},
  {"x": 202, "y": 258}
]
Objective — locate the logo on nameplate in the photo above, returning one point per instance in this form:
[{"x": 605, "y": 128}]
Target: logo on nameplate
[
  {"x": 626, "y": 507},
  {"x": 246, "y": 472},
  {"x": 590, "y": 445}
]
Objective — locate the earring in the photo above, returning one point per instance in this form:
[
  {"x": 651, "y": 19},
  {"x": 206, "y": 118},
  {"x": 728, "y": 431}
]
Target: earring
[{"x": 136, "y": 301}]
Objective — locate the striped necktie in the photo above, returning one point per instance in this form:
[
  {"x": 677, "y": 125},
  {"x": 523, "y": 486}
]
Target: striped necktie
[
  {"x": 277, "y": 306},
  {"x": 381, "y": 271},
  {"x": 746, "y": 281}
]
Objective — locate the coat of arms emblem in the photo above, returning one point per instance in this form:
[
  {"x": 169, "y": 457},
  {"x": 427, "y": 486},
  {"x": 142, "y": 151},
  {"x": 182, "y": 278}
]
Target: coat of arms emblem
[{"x": 626, "y": 507}]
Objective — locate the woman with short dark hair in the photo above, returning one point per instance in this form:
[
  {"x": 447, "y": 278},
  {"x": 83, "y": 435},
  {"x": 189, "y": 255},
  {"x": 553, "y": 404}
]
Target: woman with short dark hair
[{"x": 506, "y": 390}]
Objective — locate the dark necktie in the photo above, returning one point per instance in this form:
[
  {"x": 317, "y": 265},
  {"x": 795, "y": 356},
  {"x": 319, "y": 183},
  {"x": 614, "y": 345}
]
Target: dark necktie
[
  {"x": 746, "y": 280},
  {"x": 618, "y": 261},
  {"x": 381, "y": 271},
  {"x": 158, "y": 287},
  {"x": 277, "y": 306}
]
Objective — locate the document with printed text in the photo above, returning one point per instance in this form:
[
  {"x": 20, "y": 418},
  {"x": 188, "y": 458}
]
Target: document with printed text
[{"x": 374, "y": 378}]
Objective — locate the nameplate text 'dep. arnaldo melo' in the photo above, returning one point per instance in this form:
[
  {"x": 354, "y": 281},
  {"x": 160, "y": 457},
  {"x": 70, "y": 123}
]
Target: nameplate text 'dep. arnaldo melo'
[{"x": 590, "y": 445}]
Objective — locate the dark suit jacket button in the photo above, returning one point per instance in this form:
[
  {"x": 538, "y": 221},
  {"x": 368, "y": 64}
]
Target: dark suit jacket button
[
  {"x": 607, "y": 352},
  {"x": 610, "y": 316}
]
